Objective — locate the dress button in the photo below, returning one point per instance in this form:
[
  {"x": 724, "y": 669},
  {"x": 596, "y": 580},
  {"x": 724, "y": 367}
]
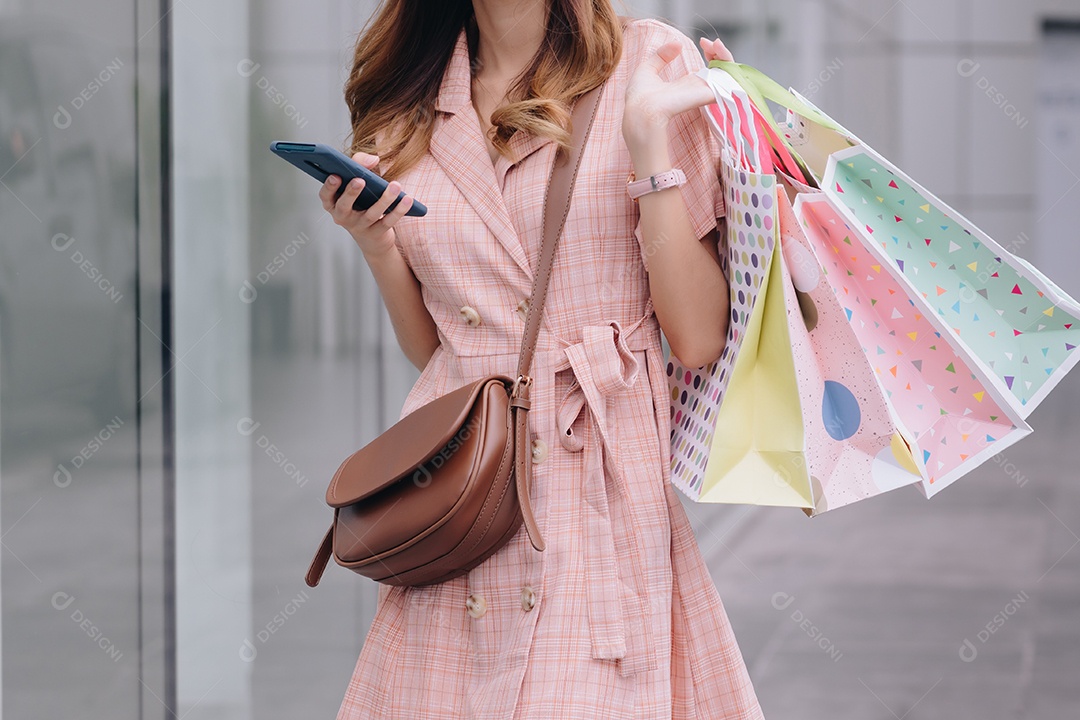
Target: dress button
[
  {"x": 528, "y": 598},
  {"x": 469, "y": 315},
  {"x": 539, "y": 450},
  {"x": 523, "y": 309},
  {"x": 476, "y": 605}
]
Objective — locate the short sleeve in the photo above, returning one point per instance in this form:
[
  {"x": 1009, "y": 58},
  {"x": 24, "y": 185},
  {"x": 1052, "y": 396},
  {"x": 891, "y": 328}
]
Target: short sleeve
[{"x": 693, "y": 147}]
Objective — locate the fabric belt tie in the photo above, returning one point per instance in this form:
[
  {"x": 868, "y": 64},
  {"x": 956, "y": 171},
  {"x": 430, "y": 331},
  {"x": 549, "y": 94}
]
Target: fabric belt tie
[{"x": 604, "y": 366}]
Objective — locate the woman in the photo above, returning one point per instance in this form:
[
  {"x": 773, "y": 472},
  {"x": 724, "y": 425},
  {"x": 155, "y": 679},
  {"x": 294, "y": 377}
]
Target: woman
[{"x": 465, "y": 106}]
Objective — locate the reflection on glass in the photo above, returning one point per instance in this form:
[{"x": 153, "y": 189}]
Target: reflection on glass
[
  {"x": 284, "y": 342},
  {"x": 69, "y": 488}
]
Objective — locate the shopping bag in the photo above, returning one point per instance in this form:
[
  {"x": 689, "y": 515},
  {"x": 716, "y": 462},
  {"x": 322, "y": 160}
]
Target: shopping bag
[
  {"x": 1016, "y": 323},
  {"x": 753, "y": 382},
  {"x": 855, "y": 448},
  {"x": 757, "y": 451}
]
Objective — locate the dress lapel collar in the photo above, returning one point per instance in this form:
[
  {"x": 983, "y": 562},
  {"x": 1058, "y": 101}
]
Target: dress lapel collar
[{"x": 458, "y": 146}]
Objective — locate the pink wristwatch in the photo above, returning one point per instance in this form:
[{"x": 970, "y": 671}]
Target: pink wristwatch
[{"x": 672, "y": 178}]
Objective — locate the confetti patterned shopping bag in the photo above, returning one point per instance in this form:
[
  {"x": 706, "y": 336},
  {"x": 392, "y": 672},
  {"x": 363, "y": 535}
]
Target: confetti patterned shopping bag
[{"x": 855, "y": 447}]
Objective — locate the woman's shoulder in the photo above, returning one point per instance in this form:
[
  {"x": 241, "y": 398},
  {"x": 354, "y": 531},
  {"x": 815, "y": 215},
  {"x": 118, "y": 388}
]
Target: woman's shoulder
[{"x": 642, "y": 36}]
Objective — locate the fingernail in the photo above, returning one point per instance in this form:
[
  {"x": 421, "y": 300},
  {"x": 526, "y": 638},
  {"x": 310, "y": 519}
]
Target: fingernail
[
  {"x": 356, "y": 182},
  {"x": 333, "y": 180}
]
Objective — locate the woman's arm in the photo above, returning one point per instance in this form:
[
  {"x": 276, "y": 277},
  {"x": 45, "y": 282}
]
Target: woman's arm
[
  {"x": 374, "y": 234},
  {"x": 413, "y": 325},
  {"x": 689, "y": 290}
]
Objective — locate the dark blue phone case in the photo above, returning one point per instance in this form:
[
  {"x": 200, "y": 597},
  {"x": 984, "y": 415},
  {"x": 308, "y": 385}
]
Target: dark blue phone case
[{"x": 321, "y": 161}]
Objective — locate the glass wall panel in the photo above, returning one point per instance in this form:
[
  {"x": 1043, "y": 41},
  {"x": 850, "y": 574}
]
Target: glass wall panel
[
  {"x": 289, "y": 363},
  {"x": 69, "y": 482}
]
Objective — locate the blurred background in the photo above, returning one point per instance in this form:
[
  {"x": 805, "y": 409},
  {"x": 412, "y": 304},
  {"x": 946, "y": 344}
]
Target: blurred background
[{"x": 188, "y": 349}]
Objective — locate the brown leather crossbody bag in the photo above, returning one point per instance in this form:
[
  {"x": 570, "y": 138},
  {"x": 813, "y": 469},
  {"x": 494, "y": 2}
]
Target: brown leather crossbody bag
[{"x": 448, "y": 485}]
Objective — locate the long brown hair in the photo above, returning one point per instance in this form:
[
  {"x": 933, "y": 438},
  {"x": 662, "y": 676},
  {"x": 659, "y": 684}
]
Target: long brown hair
[{"x": 403, "y": 52}]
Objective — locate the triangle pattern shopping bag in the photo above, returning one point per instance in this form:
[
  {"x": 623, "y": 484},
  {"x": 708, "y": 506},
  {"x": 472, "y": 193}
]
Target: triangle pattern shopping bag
[{"x": 1018, "y": 324}]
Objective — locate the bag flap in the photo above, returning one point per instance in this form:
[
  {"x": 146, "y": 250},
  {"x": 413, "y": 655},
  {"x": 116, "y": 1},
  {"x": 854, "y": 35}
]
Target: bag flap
[{"x": 413, "y": 440}]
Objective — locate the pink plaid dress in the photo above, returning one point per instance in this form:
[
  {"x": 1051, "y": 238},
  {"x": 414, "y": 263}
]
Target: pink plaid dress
[{"x": 618, "y": 618}]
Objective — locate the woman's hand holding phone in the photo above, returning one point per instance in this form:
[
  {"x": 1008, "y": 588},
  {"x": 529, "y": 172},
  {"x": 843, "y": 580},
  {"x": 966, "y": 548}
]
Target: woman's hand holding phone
[{"x": 371, "y": 229}]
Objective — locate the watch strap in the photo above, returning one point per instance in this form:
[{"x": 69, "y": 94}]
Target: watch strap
[{"x": 661, "y": 181}]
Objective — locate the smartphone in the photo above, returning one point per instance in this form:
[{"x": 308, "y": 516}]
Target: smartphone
[{"x": 321, "y": 161}]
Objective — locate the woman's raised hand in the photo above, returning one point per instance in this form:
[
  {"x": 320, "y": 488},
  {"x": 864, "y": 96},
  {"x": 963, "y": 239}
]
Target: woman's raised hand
[
  {"x": 371, "y": 229},
  {"x": 651, "y": 102}
]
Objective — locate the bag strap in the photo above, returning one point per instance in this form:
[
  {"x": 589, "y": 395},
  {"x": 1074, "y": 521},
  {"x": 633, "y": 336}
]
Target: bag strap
[
  {"x": 761, "y": 87},
  {"x": 556, "y": 207}
]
